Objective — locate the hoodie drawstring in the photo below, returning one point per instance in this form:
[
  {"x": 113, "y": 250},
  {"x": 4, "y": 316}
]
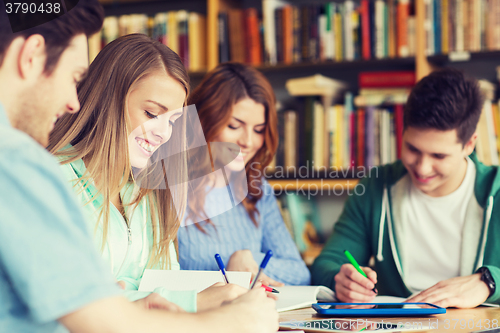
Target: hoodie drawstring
[
  {"x": 485, "y": 232},
  {"x": 380, "y": 257}
]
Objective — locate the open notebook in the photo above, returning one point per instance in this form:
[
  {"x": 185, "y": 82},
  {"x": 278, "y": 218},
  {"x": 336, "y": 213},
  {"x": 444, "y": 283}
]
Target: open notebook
[
  {"x": 189, "y": 280},
  {"x": 298, "y": 297}
]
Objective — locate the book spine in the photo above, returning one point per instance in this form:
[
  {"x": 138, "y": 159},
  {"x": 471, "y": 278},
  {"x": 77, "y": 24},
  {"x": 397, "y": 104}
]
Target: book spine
[
  {"x": 194, "y": 40},
  {"x": 465, "y": 21},
  {"x": 223, "y": 40},
  {"x": 379, "y": 29},
  {"x": 370, "y": 137},
  {"x": 313, "y": 33},
  {"x": 182, "y": 19},
  {"x": 373, "y": 29},
  {"x": 403, "y": 15},
  {"x": 349, "y": 44},
  {"x": 278, "y": 20},
  {"x": 391, "y": 21},
  {"x": 296, "y": 34},
  {"x": 437, "y": 27},
  {"x": 304, "y": 11},
  {"x": 365, "y": 28},
  {"x": 444, "y": 26},
  {"x": 386, "y": 79},
  {"x": 360, "y": 140},
  {"x": 323, "y": 35}
]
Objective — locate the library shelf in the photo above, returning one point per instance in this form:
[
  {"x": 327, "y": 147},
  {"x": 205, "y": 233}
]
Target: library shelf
[
  {"x": 358, "y": 64},
  {"x": 454, "y": 57}
]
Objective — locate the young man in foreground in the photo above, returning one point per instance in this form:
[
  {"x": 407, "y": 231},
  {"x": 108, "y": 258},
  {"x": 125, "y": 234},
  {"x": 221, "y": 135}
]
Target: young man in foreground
[
  {"x": 431, "y": 219},
  {"x": 49, "y": 270}
]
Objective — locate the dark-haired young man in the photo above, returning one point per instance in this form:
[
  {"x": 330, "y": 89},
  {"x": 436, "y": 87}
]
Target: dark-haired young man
[
  {"x": 49, "y": 270},
  {"x": 431, "y": 220}
]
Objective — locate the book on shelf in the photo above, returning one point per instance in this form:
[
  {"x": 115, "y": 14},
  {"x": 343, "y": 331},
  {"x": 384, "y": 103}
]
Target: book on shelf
[
  {"x": 488, "y": 127},
  {"x": 316, "y": 85},
  {"x": 363, "y": 131},
  {"x": 182, "y": 31},
  {"x": 461, "y": 25},
  {"x": 333, "y": 31},
  {"x": 338, "y": 138}
]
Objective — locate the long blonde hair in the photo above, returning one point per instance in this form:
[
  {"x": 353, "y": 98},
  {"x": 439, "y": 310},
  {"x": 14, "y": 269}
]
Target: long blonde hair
[{"x": 98, "y": 132}]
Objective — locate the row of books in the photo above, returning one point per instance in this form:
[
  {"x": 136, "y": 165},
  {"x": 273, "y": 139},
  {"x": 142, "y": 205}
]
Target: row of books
[
  {"x": 337, "y": 31},
  {"x": 184, "y": 32},
  {"x": 365, "y": 137},
  {"x": 462, "y": 25}
]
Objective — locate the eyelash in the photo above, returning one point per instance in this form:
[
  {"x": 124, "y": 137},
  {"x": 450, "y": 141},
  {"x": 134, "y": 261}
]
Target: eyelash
[
  {"x": 150, "y": 115},
  {"x": 234, "y": 128}
]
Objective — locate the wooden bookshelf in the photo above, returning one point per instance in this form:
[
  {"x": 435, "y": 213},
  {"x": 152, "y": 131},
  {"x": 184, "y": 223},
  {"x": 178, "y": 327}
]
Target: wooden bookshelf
[{"x": 420, "y": 62}]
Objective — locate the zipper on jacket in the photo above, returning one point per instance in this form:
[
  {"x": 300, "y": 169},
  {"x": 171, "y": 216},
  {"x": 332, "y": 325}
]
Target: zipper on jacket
[
  {"x": 129, "y": 242},
  {"x": 129, "y": 236}
]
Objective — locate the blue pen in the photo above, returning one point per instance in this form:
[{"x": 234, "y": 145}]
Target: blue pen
[
  {"x": 263, "y": 265},
  {"x": 221, "y": 266}
]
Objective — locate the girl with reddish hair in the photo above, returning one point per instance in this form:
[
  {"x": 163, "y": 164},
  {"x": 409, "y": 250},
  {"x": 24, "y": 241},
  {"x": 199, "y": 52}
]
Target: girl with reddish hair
[{"x": 236, "y": 105}]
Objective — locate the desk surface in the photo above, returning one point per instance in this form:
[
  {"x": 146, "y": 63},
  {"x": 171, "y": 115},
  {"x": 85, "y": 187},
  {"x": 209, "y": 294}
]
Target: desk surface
[{"x": 454, "y": 320}]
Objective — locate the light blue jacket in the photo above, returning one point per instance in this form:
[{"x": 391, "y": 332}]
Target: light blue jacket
[{"x": 127, "y": 248}]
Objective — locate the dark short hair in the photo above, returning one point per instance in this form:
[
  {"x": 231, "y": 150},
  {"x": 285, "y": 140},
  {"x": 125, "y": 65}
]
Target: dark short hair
[
  {"x": 445, "y": 100},
  {"x": 85, "y": 18}
]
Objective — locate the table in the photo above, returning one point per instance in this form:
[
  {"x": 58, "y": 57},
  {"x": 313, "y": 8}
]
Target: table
[{"x": 454, "y": 320}]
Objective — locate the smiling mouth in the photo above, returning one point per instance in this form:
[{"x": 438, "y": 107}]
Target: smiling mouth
[
  {"x": 423, "y": 179},
  {"x": 147, "y": 147}
]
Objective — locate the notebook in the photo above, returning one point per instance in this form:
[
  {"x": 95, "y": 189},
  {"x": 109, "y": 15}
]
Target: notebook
[
  {"x": 298, "y": 297},
  {"x": 189, "y": 280}
]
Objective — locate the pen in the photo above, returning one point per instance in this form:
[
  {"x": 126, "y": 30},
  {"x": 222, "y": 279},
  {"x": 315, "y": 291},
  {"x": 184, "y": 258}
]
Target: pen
[
  {"x": 221, "y": 266},
  {"x": 263, "y": 265},
  {"x": 271, "y": 290},
  {"x": 355, "y": 264}
]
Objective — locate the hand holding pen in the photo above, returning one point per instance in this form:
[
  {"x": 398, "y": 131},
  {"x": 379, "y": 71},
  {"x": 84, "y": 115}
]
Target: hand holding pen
[
  {"x": 262, "y": 266},
  {"x": 221, "y": 266},
  {"x": 354, "y": 284}
]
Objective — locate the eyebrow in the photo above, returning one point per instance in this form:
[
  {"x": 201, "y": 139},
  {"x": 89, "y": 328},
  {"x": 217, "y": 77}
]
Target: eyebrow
[
  {"x": 415, "y": 148},
  {"x": 84, "y": 71},
  {"x": 163, "y": 107},
  {"x": 241, "y": 121}
]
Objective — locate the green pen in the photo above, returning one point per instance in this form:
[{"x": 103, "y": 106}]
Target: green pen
[{"x": 356, "y": 265}]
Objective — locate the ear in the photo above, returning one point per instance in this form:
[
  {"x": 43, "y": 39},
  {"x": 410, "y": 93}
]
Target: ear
[
  {"x": 470, "y": 145},
  {"x": 32, "y": 57}
]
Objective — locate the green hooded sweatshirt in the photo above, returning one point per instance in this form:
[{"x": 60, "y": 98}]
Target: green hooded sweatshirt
[{"x": 372, "y": 224}]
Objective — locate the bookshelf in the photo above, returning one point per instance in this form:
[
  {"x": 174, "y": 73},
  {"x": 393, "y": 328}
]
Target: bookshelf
[{"x": 346, "y": 70}]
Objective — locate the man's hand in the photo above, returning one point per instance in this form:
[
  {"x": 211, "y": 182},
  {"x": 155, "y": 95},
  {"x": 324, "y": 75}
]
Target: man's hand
[
  {"x": 218, "y": 293},
  {"x": 459, "y": 292},
  {"x": 155, "y": 301},
  {"x": 352, "y": 287},
  {"x": 243, "y": 261}
]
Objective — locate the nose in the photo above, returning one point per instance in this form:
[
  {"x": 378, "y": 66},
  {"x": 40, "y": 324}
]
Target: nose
[
  {"x": 245, "y": 140},
  {"x": 73, "y": 105},
  {"x": 424, "y": 166},
  {"x": 161, "y": 129}
]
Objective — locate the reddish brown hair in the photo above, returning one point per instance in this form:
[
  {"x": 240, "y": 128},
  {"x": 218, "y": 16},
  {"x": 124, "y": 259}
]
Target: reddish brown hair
[{"x": 214, "y": 98}]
